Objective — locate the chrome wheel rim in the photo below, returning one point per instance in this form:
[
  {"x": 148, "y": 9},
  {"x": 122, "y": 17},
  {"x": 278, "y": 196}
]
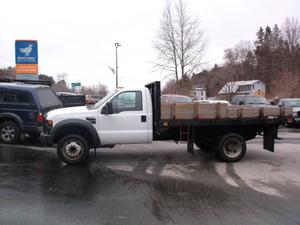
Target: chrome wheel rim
[
  {"x": 232, "y": 147},
  {"x": 73, "y": 149},
  {"x": 8, "y": 133}
]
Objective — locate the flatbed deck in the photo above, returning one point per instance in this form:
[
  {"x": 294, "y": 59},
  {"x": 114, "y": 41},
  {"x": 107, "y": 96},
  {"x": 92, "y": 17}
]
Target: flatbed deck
[{"x": 223, "y": 122}]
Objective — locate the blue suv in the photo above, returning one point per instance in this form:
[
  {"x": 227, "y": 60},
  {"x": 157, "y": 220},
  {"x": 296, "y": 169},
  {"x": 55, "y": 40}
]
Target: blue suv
[{"x": 22, "y": 109}]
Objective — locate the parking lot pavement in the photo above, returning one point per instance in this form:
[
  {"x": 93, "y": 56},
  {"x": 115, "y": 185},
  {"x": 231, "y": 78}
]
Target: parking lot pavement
[{"x": 152, "y": 184}]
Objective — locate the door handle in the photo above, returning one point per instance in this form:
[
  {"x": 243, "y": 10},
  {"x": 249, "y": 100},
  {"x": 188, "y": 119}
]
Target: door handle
[{"x": 143, "y": 118}]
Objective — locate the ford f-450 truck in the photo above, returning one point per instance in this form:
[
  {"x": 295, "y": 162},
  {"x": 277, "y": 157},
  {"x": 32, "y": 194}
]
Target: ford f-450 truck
[{"x": 134, "y": 116}]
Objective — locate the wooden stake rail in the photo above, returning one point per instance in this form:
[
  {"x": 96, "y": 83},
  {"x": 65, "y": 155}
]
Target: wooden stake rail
[{"x": 200, "y": 111}]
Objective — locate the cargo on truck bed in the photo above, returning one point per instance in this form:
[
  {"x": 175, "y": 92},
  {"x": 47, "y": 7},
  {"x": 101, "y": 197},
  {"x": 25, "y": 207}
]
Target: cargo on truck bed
[{"x": 194, "y": 110}]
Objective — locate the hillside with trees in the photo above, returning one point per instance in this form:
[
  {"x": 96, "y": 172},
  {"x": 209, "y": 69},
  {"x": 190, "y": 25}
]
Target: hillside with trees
[{"x": 274, "y": 58}]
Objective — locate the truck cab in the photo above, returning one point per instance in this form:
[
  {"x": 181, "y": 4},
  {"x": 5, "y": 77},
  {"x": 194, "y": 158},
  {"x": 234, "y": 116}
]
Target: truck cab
[
  {"x": 294, "y": 119},
  {"x": 122, "y": 117},
  {"x": 249, "y": 100}
]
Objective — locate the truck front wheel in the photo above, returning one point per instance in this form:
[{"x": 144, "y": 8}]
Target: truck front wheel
[
  {"x": 73, "y": 149},
  {"x": 231, "y": 147}
]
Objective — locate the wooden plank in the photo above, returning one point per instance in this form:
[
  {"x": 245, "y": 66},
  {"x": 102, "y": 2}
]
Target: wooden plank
[
  {"x": 202, "y": 111},
  {"x": 184, "y": 110},
  {"x": 250, "y": 112},
  {"x": 233, "y": 112},
  {"x": 270, "y": 111},
  {"x": 212, "y": 111},
  {"x": 166, "y": 111}
]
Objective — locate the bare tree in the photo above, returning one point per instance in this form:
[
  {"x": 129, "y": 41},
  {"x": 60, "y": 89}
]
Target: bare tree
[
  {"x": 235, "y": 58},
  {"x": 99, "y": 90},
  {"x": 229, "y": 80},
  {"x": 286, "y": 85},
  {"x": 291, "y": 32},
  {"x": 180, "y": 42},
  {"x": 61, "y": 84},
  {"x": 62, "y": 76},
  {"x": 8, "y": 72}
]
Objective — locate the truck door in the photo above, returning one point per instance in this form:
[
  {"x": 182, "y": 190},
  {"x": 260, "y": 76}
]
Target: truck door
[{"x": 128, "y": 123}]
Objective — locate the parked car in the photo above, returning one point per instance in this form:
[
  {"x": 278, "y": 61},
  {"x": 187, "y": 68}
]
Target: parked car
[
  {"x": 254, "y": 101},
  {"x": 171, "y": 98},
  {"x": 213, "y": 101},
  {"x": 61, "y": 93},
  {"x": 295, "y": 104},
  {"x": 22, "y": 109},
  {"x": 250, "y": 100}
]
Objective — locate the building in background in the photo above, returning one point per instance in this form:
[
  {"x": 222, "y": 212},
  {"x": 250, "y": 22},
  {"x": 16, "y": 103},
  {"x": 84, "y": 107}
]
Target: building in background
[
  {"x": 248, "y": 87},
  {"x": 198, "y": 93}
]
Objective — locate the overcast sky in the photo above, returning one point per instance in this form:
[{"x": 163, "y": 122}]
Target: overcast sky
[{"x": 77, "y": 37}]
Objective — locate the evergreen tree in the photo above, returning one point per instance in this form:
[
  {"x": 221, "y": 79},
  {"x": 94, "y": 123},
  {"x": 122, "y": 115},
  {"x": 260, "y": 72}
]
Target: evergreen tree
[
  {"x": 249, "y": 66},
  {"x": 277, "y": 51},
  {"x": 263, "y": 56},
  {"x": 260, "y": 37}
]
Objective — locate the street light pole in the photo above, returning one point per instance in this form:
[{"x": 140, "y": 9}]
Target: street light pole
[{"x": 117, "y": 45}]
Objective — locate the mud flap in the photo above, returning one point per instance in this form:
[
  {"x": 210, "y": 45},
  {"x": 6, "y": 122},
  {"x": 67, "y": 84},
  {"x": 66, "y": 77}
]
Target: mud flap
[
  {"x": 269, "y": 138},
  {"x": 190, "y": 140}
]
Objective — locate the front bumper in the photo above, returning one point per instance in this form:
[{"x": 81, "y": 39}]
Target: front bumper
[
  {"x": 32, "y": 129},
  {"x": 45, "y": 139}
]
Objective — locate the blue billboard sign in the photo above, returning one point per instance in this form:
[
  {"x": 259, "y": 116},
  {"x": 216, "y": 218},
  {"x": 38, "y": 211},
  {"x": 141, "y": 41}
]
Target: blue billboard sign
[{"x": 26, "y": 52}]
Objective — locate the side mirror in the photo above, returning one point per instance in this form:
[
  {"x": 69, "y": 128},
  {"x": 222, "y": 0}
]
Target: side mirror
[{"x": 107, "y": 109}]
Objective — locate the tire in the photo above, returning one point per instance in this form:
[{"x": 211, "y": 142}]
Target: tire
[
  {"x": 204, "y": 145},
  {"x": 73, "y": 149},
  {"x": 9, "y": 132},
  {"x": 231, "y": 147}
]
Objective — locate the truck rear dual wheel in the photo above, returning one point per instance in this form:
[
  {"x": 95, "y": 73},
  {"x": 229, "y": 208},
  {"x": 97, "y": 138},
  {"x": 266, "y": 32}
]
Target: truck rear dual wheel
[
  {"x": 73, "y": 149},
  {"x": 231, "y": 147}
]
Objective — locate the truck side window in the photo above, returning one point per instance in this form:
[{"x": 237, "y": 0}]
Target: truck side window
[{"x": 127, "y": 101}]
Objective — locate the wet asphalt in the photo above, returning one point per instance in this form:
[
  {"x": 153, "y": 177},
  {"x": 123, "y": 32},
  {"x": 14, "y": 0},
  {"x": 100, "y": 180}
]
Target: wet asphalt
[{"x": 152, "y": 184}]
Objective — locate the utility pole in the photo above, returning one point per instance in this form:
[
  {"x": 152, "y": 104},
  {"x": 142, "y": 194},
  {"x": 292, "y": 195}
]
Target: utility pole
[{"x": 117, "y": 45}]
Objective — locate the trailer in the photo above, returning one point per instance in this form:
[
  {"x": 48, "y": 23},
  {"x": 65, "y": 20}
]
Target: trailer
[{"x": 136, "y": 116}]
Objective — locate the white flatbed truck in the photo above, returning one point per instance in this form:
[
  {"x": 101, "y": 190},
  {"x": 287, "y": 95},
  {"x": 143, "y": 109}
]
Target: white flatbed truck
[{"x": 133, "y": 116}]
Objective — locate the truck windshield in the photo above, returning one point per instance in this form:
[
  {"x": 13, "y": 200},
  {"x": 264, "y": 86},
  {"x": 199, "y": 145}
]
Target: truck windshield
[
  {"x": 256, "y": 100},
  {"x": 48, "y": 98},
  {"x": 293, "y": 103},
  {"x": 103, "y": 100}
]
